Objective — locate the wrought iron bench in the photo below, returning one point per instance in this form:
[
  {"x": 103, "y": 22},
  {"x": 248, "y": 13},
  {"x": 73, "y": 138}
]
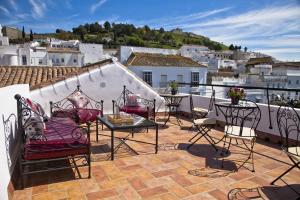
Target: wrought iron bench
[
  {"x": 47, "y": 140},
  {"x": 88, "y": 113},
  {"x": 143, "y": 107}
]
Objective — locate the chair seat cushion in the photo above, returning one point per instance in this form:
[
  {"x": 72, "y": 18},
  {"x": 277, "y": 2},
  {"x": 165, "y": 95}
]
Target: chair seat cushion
[
  {"x": 234, "y": 132},
  {"x": 138, "y": 110},
  {"x": 88, "y": 115},
  {"x": 61, "y": 138},
  {"x": 200, "y": 110},
  {"x": 205, "y": 121},
  {"x": 70, "y": 113},
  {"x": 294, "y": 152}
]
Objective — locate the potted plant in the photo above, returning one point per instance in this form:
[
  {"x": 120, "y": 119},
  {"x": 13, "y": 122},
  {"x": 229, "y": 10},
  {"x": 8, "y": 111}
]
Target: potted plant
[
  {"x": 236, "y": 94},
  {"x": 174, "y": 87}
]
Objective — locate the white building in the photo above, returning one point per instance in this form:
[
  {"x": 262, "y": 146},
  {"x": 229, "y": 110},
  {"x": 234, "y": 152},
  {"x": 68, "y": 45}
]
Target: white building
[
  {"x": 159, "y": 69},
  {"x": 126, "y": 51},
  {"x": 4, "y": 41}
]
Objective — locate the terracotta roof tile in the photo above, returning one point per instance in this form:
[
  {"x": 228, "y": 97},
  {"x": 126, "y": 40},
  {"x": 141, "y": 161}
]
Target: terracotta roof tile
[
  {"x": 149, "y": 59},
  {"x": 257, "y": 61},
  {"x": 287, "y": 64},
  {"x": 38, "y": 77}
]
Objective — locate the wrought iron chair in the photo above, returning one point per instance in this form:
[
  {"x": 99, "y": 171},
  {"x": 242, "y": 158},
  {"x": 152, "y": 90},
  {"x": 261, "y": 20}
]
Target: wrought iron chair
[
  {"x": 144, "y": 108},
  {"x": 202, "y": 123},
  {"x": 49, "y": 140},
  {"x": 65, "y": 108},
  {"x": 241, "y": 124},
  {"x": 288, "y": 121}
]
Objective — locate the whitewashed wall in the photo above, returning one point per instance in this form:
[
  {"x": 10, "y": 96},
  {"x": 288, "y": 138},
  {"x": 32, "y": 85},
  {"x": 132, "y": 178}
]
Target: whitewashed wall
[
  {"x": 203, "y": 101},
  {"x": 104, "y": 83},
  {"x": 171, "y": 73},
  {"x": 126, "y": 51},
  {"x": 8, "y": 157},
  {"x": 92, "y": 52}
]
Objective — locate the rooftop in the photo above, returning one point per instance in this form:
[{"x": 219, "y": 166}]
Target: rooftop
[
  {"x": 151, "y": 59},
  {"x": 39, "y": 76},
  {"x": 262, "y": 60},
  {"x": 63, "y": 50},
  {"x": 174, "y": 173},
  {"x": 287, "y": 64}
]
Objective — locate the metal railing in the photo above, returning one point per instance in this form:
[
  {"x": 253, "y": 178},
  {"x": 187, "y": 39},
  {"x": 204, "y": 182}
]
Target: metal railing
[{"x": 266, "y": 90}]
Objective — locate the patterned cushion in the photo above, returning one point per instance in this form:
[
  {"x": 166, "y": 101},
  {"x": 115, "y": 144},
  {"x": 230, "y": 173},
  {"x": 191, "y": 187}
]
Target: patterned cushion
[
  {"x": 131, "y": 100},
  {"x": 61, "y": 138},
  {"x": 33, "y": 121},
  {"x": 70, "y": 113},
  {"x": 88, "y": 115},
  {"x": 78, "y": 100},
  {"x": 138, "y": 110}
]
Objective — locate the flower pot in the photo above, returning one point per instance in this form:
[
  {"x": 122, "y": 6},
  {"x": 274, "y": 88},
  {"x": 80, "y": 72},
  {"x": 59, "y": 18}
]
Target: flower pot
[
  {"x": 173, "y": 91},
  {"x": 235, "y": 100}
]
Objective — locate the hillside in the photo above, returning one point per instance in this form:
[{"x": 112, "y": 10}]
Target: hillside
[{"x": 113, "y": 35}]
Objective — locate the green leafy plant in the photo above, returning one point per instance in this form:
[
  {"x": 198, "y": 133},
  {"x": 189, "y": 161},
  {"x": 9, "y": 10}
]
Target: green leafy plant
[
  {"x": 236, "y": 93},
  {"x": 173, "y": 85}
]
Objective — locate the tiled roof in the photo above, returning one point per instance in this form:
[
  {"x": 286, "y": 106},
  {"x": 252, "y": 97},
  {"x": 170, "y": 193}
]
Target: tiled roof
[
  {"x": 287, "y": 64},
  {"x": 257, "y": 61},
  {"x": 38, "y": 77},
  {"x": 149, "y": 59},
  {"x": 63, "y": 50}
]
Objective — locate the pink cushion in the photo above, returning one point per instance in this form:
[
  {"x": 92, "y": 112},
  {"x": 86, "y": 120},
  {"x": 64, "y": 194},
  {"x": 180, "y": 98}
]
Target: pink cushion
[
  {"x": 131, "y": 100},
  {"x": 78, "y": 100},
  {"x": 88, "y": 115},
  {"x": 63, "y": 139},
  {"x": 138, "y": 110}
]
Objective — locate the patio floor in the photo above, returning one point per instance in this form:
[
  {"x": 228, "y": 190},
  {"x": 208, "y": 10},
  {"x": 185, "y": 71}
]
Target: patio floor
[{"x": 173, "y": 173}]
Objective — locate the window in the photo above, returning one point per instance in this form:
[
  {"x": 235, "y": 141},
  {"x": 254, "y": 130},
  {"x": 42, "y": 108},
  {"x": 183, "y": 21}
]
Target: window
[
  {"x": 290, "y": 82},
  {"x": 297, "y": 82},
  {"x": 147, "y": 77},
  {"x": 40, "y": 61},
  {"x": 57, "y": 60},
  {"x": 163, "y": 80},
  {"x": 180, "y": 79},
  {"x": 24, "y": 60},
  {"x": 195, "y": 78},
  {"x": 75, "y": 61},
  {"x": 62, "y": 60},
  {"x": 278, "y": 85}
]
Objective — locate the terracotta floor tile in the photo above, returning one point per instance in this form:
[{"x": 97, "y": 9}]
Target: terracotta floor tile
[
  {"x": 218, "y": 194},
  {"x": 102, "y": 194},
  {"x": 137, "y": 183},
  {"x": 181, "y": 180},
  {"x": 152, "y": 191}
]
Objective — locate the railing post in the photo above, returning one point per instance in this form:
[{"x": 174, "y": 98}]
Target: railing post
[{"x": 269, "y": 109}]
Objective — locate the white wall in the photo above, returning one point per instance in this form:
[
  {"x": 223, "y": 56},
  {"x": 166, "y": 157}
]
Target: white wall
[
  {"x": 126, "y": 51},
  {"x": 105, "y": 83},
  {"x": 203, "y": 101},
  {"x": 8, "y": 106},
  {"x": 171, "y": 73},
  {"x": 92, "y": 52},
  {"x": 68, "y": 58}
]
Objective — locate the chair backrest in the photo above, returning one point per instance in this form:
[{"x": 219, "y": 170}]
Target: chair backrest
[
  {"x": 211, "y": 101},
  {"x": 121, "y": 101},
  {"x": 288, "y": 121},
  {"x": 65, "y": 103},
  {"x": 248, "y": 114}
]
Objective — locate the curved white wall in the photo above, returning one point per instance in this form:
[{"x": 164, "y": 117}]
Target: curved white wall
[{"x": 104, "y": 83}]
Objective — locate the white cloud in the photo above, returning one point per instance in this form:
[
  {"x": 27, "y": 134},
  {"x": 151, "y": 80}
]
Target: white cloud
[
  {"x": 95, "y": 6},
  {"x": 38, "y": 8},
  {"x": 5, "y": 10},
  {"x": 13, "y": 4},
  {"x": 273, "y": 27}
]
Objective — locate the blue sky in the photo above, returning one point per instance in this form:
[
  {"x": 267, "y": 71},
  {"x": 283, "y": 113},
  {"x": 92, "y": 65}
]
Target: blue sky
[{"x": 269, "y": 26}]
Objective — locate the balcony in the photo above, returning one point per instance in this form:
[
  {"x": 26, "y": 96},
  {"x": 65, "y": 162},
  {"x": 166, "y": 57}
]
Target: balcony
[{"x": 170, "y": 174}]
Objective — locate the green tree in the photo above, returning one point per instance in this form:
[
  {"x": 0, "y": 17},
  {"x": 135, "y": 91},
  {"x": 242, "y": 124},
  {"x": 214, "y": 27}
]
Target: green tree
[
  {"x": 161, "y": 30},
  {"x": 31, "y": 35},
  {"x": 23, "y": 33},
  {"x": 107, "y": 26},
  {"x": 231, "y": 47},
  {"x": 245, "y": 49}
]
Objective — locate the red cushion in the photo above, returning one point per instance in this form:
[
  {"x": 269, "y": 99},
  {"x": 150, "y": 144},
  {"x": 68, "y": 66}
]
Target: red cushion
[
  {"x": 63, "y": 139},
  {"x": 88, "y": 115},
  {"x": 138, "y": 110},
  {"x": 71, "y": 113}
]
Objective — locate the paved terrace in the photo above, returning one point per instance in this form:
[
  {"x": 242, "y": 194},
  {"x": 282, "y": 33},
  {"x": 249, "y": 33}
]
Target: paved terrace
[{"x": 173, "y": 173}]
